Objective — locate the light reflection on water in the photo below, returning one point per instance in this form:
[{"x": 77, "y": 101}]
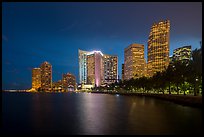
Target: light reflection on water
[{"x": 88, "y": 113}]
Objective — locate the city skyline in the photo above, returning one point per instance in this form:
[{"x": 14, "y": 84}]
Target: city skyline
[{"x": 55, "y": 32}]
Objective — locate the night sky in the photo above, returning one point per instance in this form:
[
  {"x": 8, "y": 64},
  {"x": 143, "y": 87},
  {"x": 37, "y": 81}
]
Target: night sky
[{"x": 36, "y": 32}]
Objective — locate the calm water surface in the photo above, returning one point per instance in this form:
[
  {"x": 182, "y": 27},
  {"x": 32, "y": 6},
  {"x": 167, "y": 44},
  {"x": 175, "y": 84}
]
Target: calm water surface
[{"x": 86, "y": 113}]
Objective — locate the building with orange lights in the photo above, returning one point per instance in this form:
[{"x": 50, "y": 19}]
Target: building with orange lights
[
  {"x": 68, "y": 82},
  {"x": 95, "y": 68},
  {"x": 158, "y": 47},
  {"x": 57, "y": 86},
  {"x": 110, "y": 66},
  {"x": 36, "y": 78},
  {"x": 134, "y": 65},
  {"x": 46, "y": 76}
]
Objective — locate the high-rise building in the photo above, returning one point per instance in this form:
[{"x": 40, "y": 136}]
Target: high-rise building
[
  {"x": 82, "y": 66},
  {"x": 95, "y": 68},
  {"x": 182, "y": 54},
  {"x": 134, "y": 66},
  {"x": 122, "y": 72},
  {"x": 110, "y": 65},
  {"x": 158, "y": 46},
  {"x": 46, "y": 76},
  {"x": 68, "y": 82},
  {"x": 36, "y": 78},
  {"x": 149, "y": 70}
]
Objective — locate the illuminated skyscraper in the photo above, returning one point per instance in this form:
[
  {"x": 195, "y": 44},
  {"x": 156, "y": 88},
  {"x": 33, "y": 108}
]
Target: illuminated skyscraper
[
  {"x": 82, "y": 66},
  {"x": 134, "y": 66},
  {"x": 182, "y": 54},
  {"x": 110, "y": 64},
  {"x": 46, "y": 76},
  {"x": 158, "y": 46},
  {"x": 36, "y": 78},
  {"x": 95, "y": 68},
  {"x": 149, "y": 70},
  {"x": 68, "y": 82}
]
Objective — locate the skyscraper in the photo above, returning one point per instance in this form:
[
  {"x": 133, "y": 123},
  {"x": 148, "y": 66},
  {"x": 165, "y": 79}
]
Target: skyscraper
[
  {"x": 36, "y": 78},
  {"x": 82, "y": 66},
  {"x": 95, "y": 68},
  {"x": 134, "y": 66},
  {"x": 182, "y": 54},
  {"x": 110, "y": 64},
  {"x": 46, "y": 76},
  {"x": 158, "y": 46}
]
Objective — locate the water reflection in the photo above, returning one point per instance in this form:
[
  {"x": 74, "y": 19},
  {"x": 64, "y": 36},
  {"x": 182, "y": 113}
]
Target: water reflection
[{"x": 88, "y": 113}]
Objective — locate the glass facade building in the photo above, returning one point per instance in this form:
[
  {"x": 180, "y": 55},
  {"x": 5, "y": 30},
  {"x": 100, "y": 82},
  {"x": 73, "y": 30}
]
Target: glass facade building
[
  {"x": 82, "y": 66},
  {"x": 96, "y": 68}
]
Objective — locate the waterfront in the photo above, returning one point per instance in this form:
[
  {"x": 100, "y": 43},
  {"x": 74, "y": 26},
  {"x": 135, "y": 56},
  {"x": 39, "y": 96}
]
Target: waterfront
[{"x": 88, "y": 113}]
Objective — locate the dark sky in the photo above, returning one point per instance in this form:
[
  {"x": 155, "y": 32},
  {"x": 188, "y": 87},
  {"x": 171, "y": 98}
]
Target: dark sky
[{"x": 36, "y": 32}]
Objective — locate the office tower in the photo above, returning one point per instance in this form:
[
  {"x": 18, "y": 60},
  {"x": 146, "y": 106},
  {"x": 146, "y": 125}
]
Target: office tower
[
  {"x": 36, "y": 78},
  {"x": 158, "y": 46},
  {"x": 95, "y": 68},
  {"x": 82, "y": 66},
  {"x": 149, "y": 70},
  {"x": 110, "y": 64},
  {"x": 134, "y": 66},
  {"x": 68, "y": 82},
  {"x": 182, "y": 54},
  {"x": 122, "y": 72},
  {"x": 46, "y": 76}
]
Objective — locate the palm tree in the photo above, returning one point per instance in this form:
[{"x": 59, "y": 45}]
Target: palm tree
[
  {"x": 178, "y": 74},
  {"x": 196, "y": 68}
]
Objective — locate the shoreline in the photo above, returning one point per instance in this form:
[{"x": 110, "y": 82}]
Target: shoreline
[{"x": 185, "y": 100}]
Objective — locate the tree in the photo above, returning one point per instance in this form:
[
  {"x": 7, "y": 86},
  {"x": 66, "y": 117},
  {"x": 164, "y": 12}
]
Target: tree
[
  {"x": 196, "y": 69},
  {"x": 178, "y": 74},
  {"x": 168, "y": 75}
]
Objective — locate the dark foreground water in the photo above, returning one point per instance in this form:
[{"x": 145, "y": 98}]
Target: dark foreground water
[{"x": 86, "y": 113}]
